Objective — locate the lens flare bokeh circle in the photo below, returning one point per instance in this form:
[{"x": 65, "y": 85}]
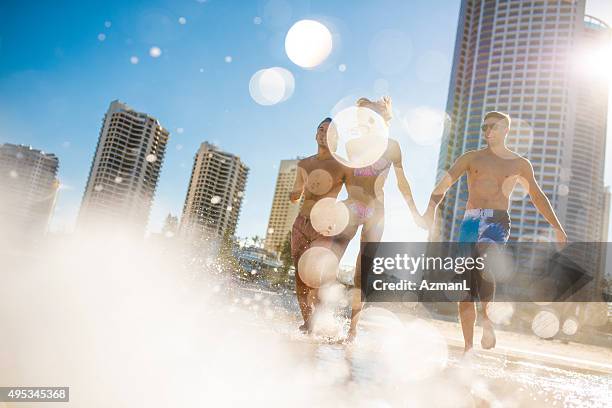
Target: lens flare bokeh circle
[
  {"x": 357, "y": 137},
  {"x": 329, "y": 217},
  {"x": 308, "y": 43},
  {"x": 318, "y": 266},
  {"x": 270, "y": 86}
]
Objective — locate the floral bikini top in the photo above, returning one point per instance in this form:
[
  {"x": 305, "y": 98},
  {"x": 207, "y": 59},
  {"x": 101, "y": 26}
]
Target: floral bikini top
[{"x": 373, "y": 170}]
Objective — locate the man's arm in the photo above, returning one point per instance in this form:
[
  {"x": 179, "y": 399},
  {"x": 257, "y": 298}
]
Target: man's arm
[
  {"x": 404, "y": 186},
  {"x": 298, "y": 185},
  {"x": 448, "y": 179},
  {"x": 540, "y": 201}
]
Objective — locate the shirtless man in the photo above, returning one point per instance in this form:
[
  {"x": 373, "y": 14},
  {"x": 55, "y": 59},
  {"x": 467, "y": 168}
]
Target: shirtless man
[
  {"x": 366, "y": 201},
  {"x": 492, "y": 174},
  {"x": 318, "y": 176}
]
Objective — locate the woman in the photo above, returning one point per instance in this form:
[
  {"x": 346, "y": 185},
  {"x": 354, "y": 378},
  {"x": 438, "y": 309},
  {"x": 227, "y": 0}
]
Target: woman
[{"x": 365, "y": 201}]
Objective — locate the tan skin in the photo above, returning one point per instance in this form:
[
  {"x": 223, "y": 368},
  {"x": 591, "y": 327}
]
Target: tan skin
[
  {"x": 328, "y": 179},
  {"x": 492, "y": 175},
  {"x": 319, "y": 176},
  {"x": 368, "y": 191}
]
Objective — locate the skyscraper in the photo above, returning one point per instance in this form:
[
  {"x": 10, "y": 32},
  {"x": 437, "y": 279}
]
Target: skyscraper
[
  {"x": 523, "y": 58},
  {"x": 214, "y": 197},
  {"x": 586, "y": 195},
  {"x": 28, "y": 189},
  {"x": 605, "y": 224},
  {"x": 585, "y": 190},
  {"x": 283, "y": 212},
  {"x": 607, "y": 271},
  {"x": 125, "y": 169}
]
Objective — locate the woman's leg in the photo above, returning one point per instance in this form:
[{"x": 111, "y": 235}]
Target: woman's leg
[
  {"x": 341, "y": 241},
  {"x": 372, "y": 231}
]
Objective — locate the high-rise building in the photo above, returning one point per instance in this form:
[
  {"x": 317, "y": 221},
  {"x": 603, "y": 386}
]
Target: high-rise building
[
  {"x": 213, "y": 201},
  {"x": 586, "y": 198},
  {"x": 523, "y": 58},
  {"x": 606, "y": 214},
  {"x": 170, "y": 227},
  {"x": 600, "y": 283},
  {"x": 283, "y": 212},
  {"x": 28, "y": 189},
  {"x": 585, "y": 189},
  {"x": 125, "y": 169}
]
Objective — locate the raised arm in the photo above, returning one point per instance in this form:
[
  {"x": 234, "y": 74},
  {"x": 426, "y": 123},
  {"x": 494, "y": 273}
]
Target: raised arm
[
  {"x": 298, "y": 185},
  {"x": 454, "y": 173},
  {"x": 540, "y": 201}
]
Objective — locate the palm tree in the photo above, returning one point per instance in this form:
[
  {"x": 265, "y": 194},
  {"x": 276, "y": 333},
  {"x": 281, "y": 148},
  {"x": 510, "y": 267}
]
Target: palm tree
[{"x": 257, "y": 241}]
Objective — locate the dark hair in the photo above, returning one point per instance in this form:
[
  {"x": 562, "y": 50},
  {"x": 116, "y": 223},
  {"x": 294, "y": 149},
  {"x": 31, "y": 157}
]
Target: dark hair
[
  {"x": 499, "y": 115},
  {"x": 328, "y": 119}
]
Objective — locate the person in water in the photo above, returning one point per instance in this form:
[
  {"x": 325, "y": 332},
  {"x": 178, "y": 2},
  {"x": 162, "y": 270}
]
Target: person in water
[
  {"x": 364, "y": 185},
  {"x": 319, "y": 176},
  {"x": 492, "y": 174}
]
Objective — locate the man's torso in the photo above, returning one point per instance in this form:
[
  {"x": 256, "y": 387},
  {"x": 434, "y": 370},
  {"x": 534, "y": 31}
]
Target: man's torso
[
  {"x": 323, "y": 178},
  {"x": 491, "y": 179}
]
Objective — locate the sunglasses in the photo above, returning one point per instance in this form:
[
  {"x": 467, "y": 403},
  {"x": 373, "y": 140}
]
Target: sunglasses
[{"x": 487, "y": 126}]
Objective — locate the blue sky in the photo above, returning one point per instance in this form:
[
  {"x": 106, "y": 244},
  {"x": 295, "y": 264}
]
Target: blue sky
[{"x": 57, "y": 79}]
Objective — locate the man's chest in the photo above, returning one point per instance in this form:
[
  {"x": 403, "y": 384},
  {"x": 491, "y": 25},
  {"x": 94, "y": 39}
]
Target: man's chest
[{"x": 491, "y": 167}]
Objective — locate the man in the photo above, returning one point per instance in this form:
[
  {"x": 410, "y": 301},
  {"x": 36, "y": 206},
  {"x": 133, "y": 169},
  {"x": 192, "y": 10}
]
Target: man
[
  {"x": 318, "y": 176},
  {"x": 492, "y": 174}
]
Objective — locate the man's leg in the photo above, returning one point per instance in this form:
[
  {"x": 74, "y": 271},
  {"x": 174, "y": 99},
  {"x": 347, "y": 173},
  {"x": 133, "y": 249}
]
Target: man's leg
[
  {"x": 488, "y": 339},
  {"x": 308, "y": 297},
  {"x": 486, "y": 293},
  {"x": 467, "y": 308},
  {"x": 304, "y": 300},
  {"x": 467, "y": 315},
  {"x": 299, "y": 244},
  {"x": 468, "y": 235}
]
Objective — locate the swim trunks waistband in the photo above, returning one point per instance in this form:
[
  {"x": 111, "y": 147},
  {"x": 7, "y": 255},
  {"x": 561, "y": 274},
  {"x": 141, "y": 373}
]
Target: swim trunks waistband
[{"x": 484, "y": 212}]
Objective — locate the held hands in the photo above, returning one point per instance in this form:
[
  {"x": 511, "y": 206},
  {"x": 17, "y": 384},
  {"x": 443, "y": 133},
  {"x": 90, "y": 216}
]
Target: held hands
[
  {"x": 295, "y": 196},
  {"x": 426, "y": 221},
  {"x": 416, "y": 216},
  {"x": 420, "y": 221}
]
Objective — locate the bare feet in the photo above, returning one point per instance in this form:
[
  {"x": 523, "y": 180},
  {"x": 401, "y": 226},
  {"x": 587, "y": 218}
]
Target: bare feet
[
  {"x": 306, "y": 328},
  {"x": 488, "y": 335},
  {"x": 467, "y": 358},
  {"x": 351, "y": 336}
]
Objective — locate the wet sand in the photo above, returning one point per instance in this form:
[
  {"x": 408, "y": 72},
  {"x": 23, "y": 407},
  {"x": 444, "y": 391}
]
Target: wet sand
[{"x": 522, "y": 371}]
